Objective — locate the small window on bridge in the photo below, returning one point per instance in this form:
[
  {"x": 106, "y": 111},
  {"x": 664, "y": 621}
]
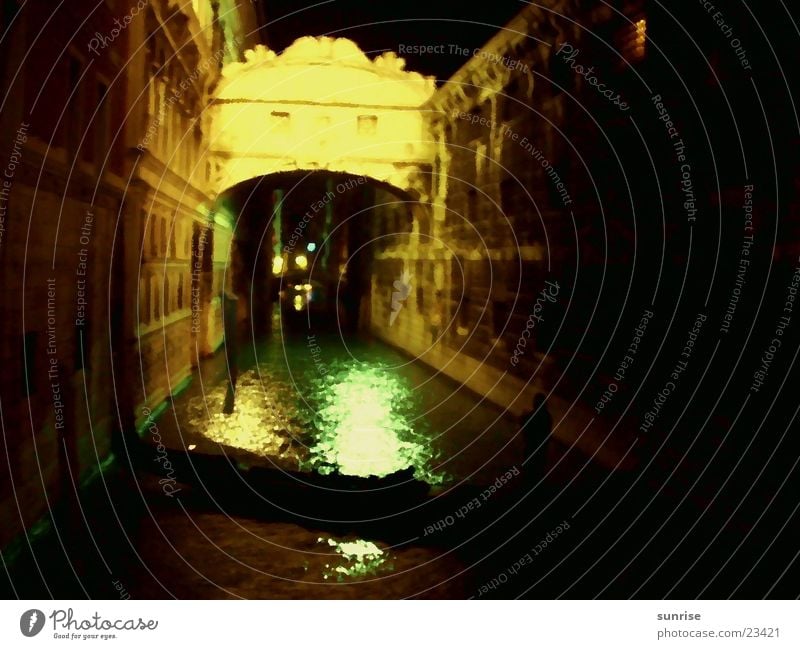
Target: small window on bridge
[
  {"x": 367, "y": 124},
  {"x": 281, "y": 121}
]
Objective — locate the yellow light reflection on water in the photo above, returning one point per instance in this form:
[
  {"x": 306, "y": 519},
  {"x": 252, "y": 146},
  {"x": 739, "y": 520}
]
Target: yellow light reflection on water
[
  {"x": 364, "y": 425},
  {"x": 358, "y": 558},
  {"x": 359, "y": 419},
  {"x": 262, "y": 424}
]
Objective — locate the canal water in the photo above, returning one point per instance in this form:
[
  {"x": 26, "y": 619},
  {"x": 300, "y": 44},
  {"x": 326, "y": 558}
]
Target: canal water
[
  {"x": 353, "y": 407},
  {"x": 318, "y": 417},
  {"x": 328, "y": 407},
  {"x": 320, "y": 406}
]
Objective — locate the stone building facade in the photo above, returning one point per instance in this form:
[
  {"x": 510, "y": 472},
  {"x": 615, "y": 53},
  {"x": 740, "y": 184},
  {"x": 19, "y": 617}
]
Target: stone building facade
[
  {"x": 523, "y": 188},
  {"x": 62, "y": 195},
  {"x": 506, "y": 205},
  {"x": 570, "y": 151},
  {"x": 179, "y": 247},
  {"x": 104, "y": 191}
]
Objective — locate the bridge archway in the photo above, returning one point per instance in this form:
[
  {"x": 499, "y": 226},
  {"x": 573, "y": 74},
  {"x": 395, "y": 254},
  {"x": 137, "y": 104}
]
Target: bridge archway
[{"x": 337, "y": 223}]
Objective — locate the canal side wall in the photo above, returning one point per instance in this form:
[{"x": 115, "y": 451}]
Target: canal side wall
[
  {"x": 59, "y": 202},
  {"x": 486, "y": 292},
  {"x": 95, "y": 237},
  {"x": 415, "y": 315},
  {"x": 57, "y": 400},
  {"x": 511, "y": 393}
]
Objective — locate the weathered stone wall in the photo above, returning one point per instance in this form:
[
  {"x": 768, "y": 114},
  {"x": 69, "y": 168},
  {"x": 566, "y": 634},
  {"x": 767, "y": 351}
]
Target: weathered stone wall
[
  {"x": 183, "y": 250},
  {"x": 555, "y": 163},
  {"x": 60, "y": 197},
  {"x": 102, "y": 180},
  {"x": 527, "y": 232},
  {"x": 485, "y": 239}
]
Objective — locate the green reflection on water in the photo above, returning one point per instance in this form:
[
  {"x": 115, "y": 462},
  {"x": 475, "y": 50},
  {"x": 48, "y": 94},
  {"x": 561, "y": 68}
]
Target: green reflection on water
[
  {"x": 360, "y": 418},
  {"x": 365, "y": 424},
  {"x": 359, "y": 558}
]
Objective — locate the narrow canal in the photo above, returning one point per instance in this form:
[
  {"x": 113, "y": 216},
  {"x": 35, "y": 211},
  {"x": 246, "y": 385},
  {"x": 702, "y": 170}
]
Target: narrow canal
[
  {"x": 317, "y": 415},
  {"x": 355, "y": 407}
]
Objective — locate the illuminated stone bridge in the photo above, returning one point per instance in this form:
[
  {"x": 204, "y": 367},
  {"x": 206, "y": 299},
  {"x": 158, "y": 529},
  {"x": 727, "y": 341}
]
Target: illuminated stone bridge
[{"x": 322, "y": 104}]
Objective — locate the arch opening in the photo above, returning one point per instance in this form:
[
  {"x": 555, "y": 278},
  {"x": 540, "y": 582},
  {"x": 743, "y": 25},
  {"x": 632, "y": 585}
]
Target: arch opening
[{"x": 322, "y": 231}]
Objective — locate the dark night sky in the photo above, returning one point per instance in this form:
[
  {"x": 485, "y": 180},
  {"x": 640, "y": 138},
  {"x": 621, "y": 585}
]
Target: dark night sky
[{"x": 378, "y": 25}]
